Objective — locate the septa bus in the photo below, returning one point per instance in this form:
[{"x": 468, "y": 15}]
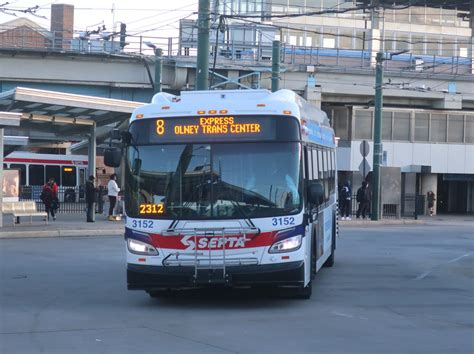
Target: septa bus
[{"x": 233, "y": 188}]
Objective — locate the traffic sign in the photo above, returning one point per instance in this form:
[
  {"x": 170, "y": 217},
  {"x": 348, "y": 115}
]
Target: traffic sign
[
  {"x": 364, "y": 148},
  {"x": 364, "y": 168}
]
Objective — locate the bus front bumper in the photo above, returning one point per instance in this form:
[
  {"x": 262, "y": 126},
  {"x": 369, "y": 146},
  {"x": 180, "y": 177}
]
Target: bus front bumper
[{"x": 141, "y": 277}]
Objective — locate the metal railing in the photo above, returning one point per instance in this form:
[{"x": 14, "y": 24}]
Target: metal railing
[
  {"x": 410, "y": 206},
  {"x": 71, "y": 199},
  {"x": 233, "y": 51}
]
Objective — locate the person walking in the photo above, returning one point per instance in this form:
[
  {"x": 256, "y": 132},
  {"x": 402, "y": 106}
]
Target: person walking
[
  {"x": 47, "y": 199},
  {"x": 112, "y": 192},
  {"x": 431, "y": 197},
  {"x": 363, "y": 197},
  {"x": 55, "y": 201},
  {"x": 91, "y": 192},
  {"x": 345, "y": 201}
]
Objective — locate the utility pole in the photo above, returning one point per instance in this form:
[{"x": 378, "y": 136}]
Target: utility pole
[
  {"x": 158, "y": 70},
  {"x": 202, "y": 64},
  {"x": 275, "y": 65},
  {"x": 377, "y": 136}
]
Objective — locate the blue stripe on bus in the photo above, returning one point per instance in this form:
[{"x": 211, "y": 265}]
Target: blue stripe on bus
[{"x": 319, "y": 134}]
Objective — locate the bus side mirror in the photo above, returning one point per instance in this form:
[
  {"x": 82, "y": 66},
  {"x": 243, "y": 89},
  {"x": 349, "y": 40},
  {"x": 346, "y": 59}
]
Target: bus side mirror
[
  {"x": 316, "y": 193},
  {"x": 112, "y": 157}
]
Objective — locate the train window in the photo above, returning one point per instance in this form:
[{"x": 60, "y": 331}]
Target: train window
[
  {"x": 36, "y": 174},
  {"x": 22, "y": 168},
  {"x": 68, "y": 174},
  {"x": 54, "y": 172}
]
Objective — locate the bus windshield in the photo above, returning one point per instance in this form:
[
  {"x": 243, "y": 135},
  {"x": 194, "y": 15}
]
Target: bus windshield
[{"x": 213, "y": 181}]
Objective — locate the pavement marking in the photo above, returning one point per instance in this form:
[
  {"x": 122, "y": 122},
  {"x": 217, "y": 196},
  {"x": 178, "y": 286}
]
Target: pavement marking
[{"x": 423, "y": 275}]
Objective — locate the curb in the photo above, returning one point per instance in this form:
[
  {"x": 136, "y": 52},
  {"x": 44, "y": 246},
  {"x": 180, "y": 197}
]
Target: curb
[
  {"x": 369, "y": 223},
  {"x": 60, "y": 233}
]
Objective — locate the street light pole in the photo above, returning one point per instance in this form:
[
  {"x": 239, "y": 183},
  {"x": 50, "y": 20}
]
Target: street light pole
[{"x": 377, "y": 136}]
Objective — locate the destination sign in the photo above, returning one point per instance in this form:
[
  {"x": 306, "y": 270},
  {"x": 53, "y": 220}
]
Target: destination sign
[
  {"x": 214, "y": 129},
  {"x": 219, "y": 125}
]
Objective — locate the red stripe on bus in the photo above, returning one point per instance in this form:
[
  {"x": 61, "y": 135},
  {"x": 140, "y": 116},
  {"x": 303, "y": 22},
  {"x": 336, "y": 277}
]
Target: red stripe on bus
[
  {"x": 59, "y": 162},
  {"x": 233, "y": 242}
]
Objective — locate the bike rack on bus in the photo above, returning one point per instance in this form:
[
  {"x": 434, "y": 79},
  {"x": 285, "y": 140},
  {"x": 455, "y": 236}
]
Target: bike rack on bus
[{"x": 213, "y": 263}]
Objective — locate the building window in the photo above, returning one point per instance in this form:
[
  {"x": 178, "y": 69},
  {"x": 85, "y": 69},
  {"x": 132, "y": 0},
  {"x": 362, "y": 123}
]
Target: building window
[
  {"x": 401, "y": 126},
  {"x": 438, "y": 128},
  {"x": 455, "y": 128},
  {"x": 387, "y": 125},
  {"x": 363, "y": 124},
  {"x": 422, "y": 126},
  {"x": 469, "y": 128}
]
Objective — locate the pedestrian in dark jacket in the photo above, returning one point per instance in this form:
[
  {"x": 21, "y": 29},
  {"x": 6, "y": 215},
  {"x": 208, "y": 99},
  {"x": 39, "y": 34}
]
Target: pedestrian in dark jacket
[
  {"x": 345, "y": 201},
  {"x": 363, "y": 198},
  {"x": 91, "y": 191},
  {"x": 47, "y": 197}
]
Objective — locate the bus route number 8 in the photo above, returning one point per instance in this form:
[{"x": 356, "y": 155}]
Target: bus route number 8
[{"x": 160, "y": 127}]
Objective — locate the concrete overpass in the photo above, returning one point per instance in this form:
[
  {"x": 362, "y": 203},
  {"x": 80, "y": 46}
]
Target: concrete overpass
[{"x": 130, "y": 77}]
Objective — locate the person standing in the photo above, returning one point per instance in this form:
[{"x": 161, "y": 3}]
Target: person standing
[
  {"x": 90, "y": 198},
  {"x": 345, "y": 201},
  {"x": 47, "y": 199},
  {"x": 363, "y": 198},
  {"x": 55, "y": 201},
  {"x": 112, "y": 192},
  {"x": 431, "y": 197}
]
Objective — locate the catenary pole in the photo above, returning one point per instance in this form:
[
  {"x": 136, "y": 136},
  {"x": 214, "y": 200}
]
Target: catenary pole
[
  {"x": 275, "y": 65},
  {"x": 377, "y": 136},
  {"x": 202, "y": 64}
]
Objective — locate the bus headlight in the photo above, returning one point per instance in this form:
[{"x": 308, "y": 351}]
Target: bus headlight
[
  {"x": 286, "y": 245},
  {"x": 139, "y": 247}
]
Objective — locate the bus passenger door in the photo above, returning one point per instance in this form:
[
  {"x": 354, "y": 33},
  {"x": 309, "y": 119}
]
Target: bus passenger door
[{"x": 81, "y": 182}]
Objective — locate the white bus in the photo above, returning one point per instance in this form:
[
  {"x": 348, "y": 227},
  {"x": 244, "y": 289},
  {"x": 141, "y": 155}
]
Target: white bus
[{"x": 233, "y": 188}]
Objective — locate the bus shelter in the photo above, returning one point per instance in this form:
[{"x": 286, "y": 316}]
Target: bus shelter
[{"x": 45, "y": 116}]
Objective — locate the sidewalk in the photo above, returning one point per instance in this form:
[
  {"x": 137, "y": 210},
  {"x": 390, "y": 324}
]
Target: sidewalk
[
  {"x": 64, "y": 225},
  {"x": 452, "y": 220}
]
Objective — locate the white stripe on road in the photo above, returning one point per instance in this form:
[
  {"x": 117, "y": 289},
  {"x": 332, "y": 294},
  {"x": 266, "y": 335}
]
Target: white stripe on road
[{"x": 421, "y": 276}]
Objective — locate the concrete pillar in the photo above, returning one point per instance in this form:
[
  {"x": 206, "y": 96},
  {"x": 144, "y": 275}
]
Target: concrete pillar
[
  {"x": 1, "y": 176},
  {"x": 429, "y": 182},
  {"x": 313, "y": 95},
  {"x": 92, "y": 157}
]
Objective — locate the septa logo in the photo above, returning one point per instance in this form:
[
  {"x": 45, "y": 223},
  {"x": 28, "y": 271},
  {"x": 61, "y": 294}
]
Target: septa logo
[{"x": 204, "y": 242}]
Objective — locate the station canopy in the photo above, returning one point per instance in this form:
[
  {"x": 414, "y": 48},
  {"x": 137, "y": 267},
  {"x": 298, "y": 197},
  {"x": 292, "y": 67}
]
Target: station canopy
[{"x": 52, "y": 115}]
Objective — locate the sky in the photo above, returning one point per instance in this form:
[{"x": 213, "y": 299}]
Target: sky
[{"x": 159, "y": 18}]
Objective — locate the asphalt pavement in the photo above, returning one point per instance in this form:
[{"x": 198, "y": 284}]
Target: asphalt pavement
[{"x": 394, "y": 289}]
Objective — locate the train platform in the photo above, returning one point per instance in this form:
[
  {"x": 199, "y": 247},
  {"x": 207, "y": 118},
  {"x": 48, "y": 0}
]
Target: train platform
[{"x": 66, "y": 224}]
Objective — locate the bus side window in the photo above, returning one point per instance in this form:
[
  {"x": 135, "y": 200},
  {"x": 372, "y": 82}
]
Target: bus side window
[
  {"x": 320, "y": 164},
  {"x": 36, "y": 175},
  {"x": 309, "y": 164},
  {"x": 315, "y": 164},
  {"x": 54, "y": 172},
  {"x": 68, "y": 176},
  {"x": 22, "y": 168}
]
